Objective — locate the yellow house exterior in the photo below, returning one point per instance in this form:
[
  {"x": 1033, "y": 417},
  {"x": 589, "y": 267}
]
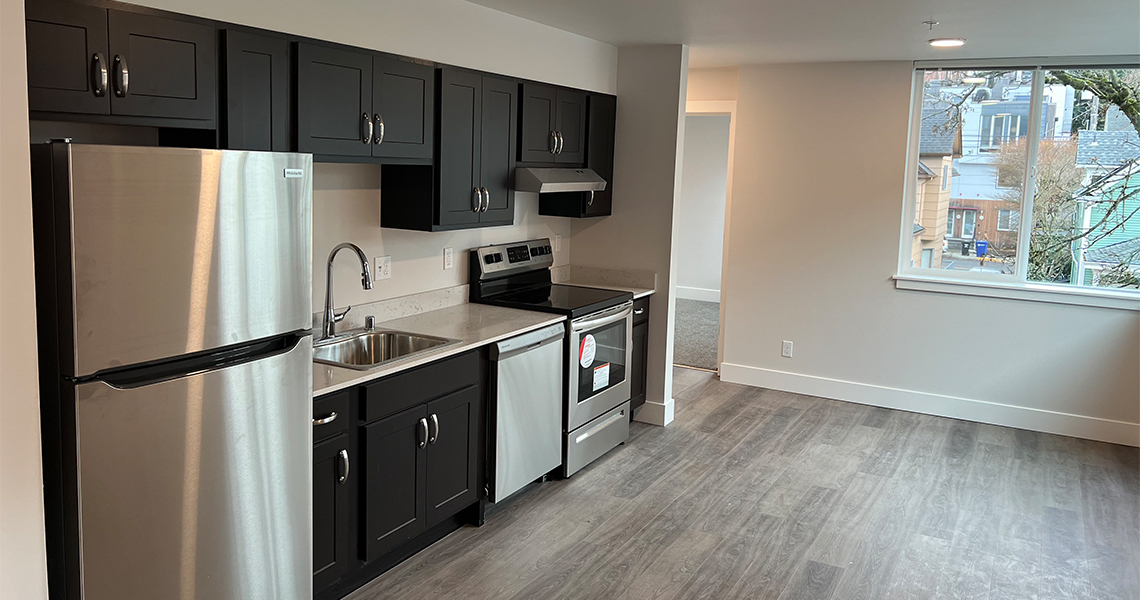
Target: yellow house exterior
[{"x": 932, "y": 204}]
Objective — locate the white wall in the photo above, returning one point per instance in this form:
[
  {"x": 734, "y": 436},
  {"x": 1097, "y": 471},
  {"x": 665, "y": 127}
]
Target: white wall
[
  {"x": 700, "y": 208},
  {"x": 814, "y": 241},
  {"x": 448, "y": 31},
  {"x": 23, "y": 569},
  {"x": 647, "y": 181},
  {"x": 346, "y": 207}
]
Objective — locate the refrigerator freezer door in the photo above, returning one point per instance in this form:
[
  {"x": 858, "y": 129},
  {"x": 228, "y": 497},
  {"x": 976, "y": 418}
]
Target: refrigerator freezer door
[
  {"x": 199, "y": 487},
  {"x": 176, "y": 251}
]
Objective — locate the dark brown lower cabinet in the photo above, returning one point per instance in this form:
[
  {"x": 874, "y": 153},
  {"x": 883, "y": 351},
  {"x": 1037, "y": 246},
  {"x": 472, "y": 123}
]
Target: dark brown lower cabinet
[
  {"x": 640, "y": 361},
  {"x": 450, "y": 482},
  {"x": 395, "y": 467},
  {"x": 332, "y": 469}
]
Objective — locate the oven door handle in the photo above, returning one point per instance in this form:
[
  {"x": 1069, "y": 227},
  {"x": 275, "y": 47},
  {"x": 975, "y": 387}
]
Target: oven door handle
[{"x": 611, "y": 316}]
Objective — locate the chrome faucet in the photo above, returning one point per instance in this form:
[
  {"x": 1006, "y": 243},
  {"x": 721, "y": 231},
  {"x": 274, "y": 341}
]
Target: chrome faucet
[{"x": 328, "y": 330}]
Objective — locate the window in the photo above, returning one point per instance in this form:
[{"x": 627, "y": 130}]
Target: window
[
  {"x": 1007, "y": 220},
  {"x": 1040, "y": 143}
]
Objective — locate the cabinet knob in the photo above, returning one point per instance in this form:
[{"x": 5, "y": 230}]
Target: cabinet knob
[
  {"x": 99, "y": 75},
  {"x": 379, "y": 121},
  {"x": 477, "y": 196},
  {"x": 366, "y": 128},
  {"x": 326, "y": 420},
  {"x": 434, "y": 429},
  {"x": 122, "y": 76},
  {"x": 423, "y": 433},
  {"x": 553, "y": 143}
]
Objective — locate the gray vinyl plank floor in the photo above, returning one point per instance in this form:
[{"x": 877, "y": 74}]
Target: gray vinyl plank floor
[{"x": 760, "y": 494}]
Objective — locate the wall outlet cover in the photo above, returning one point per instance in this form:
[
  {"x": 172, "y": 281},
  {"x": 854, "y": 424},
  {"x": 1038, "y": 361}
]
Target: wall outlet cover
[
  {"x": 384, "y": 267},
  {"x": 786, "y": 349},
  {"x": 558, "y": 242},
  {"x": 448, "y": 259}
]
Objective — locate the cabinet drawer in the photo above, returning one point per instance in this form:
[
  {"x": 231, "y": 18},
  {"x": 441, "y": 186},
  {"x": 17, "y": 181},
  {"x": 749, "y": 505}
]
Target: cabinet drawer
[
  {"x": 641, "y": 310},
  {"x": 398, "y": 392},
  {"x": 333, "y": 411}
]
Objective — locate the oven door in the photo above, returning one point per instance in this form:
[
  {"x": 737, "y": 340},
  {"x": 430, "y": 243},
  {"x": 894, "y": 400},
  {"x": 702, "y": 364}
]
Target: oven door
[{"x": 601, "y": 346}]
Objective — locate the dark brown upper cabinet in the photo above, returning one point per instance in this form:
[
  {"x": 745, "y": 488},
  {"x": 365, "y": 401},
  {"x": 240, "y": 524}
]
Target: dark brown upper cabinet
[
  {"x": 355, "y": 103},
  {"x": 68, "y": 68},
  {"x": 256, "y": 91},
  {"x": 90, "y": 60},
  {"x": 403, "y": 106},
  {"x": 334, "y": 101},
  {"x": 552, "y": 125},
  {"x": 602, "y": 125},
  {"x": 471, "y": 185}
]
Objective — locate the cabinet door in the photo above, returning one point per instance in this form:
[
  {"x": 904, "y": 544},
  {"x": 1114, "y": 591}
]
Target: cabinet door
[
  {"x": 460, "y": 106},
  {"x": 600, "y": 154},
  {"x": 571, "y": 127},
  {"x": 539, "y": 107},
  {"x": 161, "y": 67},
  {"x": 394, "y": 471},
  {"x": 639, "y": 364},
  {"x": 451, "y": 454},
  {"x": 497, "y": 149},
  {"x": 403, "y": 106},
  {"x": 334, "y": 101},
  {"x": 257, "y": 87},
  {"x": 67, "y": 53},
  {"x": 332, "y": 470}
]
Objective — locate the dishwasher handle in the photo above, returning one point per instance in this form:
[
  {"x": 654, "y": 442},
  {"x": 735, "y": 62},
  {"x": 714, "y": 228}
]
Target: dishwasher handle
[{"x": 527, "y": 342}]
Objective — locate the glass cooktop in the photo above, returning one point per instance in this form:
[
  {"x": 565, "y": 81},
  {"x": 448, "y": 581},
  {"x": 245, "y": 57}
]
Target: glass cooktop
[{"x": 571, "y": 300}]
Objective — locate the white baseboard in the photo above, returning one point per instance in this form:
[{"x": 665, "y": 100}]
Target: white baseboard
[
  {"x": 695, "y": 293},
  {"x": 655, "y": 413},
  {"x": 1105, "y": 430}
]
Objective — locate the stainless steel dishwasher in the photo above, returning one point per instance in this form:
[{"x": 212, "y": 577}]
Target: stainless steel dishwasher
[{"x": 527, "y": 409}]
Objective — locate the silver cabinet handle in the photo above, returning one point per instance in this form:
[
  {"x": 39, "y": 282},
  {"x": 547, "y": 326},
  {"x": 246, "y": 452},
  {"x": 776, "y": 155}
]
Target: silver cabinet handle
[
  {"x": 553, "y": 142},
  {"x": 561, "y": 143},
  {"x": 366, "y": 128},
  {"x": 590, "y": 202},
  {"x": 478, "y": 197},
  {"x": 99, "y": 74},
  {"x": 344, "y": 462},
  {"x": 423, "y": 432},
  {"x": 435, "y": 429},
  {"x": 122, "y": 76},
  {"x": 379, "y": 128},
  {"x": 326, "y": 420},
  {"x": 486, "y": 199},
  {"x": 639, "y": 311}
]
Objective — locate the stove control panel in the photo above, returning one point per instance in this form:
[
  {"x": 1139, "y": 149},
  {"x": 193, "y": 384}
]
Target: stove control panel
[{"x": 513, "y": 258}]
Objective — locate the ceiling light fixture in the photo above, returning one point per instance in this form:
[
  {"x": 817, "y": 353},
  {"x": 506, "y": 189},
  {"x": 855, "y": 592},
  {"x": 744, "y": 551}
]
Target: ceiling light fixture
[
  {"x": 948, "y": 42},
  {"x": 973, "y": 80}
]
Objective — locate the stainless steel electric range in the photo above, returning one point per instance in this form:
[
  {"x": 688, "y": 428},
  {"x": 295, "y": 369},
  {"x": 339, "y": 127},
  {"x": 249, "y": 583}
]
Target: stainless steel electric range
[{"x": 599, "y": 342}]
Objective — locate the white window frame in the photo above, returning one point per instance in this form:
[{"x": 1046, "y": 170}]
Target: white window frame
[
  {"x": 973, "y": 224},
  {"x": 1009, "y": 219},
  {"x": 1002, "y": 285}
]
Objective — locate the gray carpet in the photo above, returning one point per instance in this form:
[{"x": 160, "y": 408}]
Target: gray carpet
[{"x": 697, "y": 325}]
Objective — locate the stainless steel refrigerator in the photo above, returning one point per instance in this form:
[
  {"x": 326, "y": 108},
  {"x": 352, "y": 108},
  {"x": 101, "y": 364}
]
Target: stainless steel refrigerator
[{"x": 174, "y": 309}]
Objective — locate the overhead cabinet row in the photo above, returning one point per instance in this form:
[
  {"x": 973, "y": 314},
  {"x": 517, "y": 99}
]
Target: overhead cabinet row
[{"x": 449, "y": 138}]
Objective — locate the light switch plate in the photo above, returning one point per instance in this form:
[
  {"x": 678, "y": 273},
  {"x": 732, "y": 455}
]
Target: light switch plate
[
  {"x": 558, "y": 242},
  {"x": 384, "y": 267},
  {"x": 448, "y": 259}
]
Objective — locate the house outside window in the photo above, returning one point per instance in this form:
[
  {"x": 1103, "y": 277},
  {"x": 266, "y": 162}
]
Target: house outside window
[{"x": 1030, "y": 142}]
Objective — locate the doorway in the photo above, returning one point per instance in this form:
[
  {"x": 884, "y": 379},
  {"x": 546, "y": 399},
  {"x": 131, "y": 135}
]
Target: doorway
[{"x": 700, "y": 236}]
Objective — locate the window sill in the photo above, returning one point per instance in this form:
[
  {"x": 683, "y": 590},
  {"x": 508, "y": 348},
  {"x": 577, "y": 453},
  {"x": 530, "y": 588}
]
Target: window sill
[{"x": 1034, "y": 292}]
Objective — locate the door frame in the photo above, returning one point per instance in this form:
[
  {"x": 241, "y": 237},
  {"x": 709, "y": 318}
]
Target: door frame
[{"x": 720, "y": 108}]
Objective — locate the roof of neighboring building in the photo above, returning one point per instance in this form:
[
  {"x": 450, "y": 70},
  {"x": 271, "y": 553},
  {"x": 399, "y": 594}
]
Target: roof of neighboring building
[
  {"x": 934, "y": 136},
  {"x": 1126, "y": 251},
  {"x": 1108, "y": 148},
  {"x": 925, "y": 172},
  {"x": 918, "y": 229}
]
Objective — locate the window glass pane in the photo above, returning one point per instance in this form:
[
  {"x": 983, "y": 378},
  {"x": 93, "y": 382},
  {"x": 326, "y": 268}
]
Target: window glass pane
[
  {"x": 1086, "y": 202},
  {"x": 972, "y": 125}
]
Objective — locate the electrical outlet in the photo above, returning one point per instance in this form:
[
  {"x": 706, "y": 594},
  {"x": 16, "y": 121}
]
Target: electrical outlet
[
  {"x": 786, "y": 349},
  {"x": 558, "y": 242},
  {"x": 384, "y": 267},
  {"x": 448, "y": 259}
]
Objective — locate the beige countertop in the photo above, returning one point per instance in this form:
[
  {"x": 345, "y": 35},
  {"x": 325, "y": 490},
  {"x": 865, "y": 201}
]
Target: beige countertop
[{"x": 473, "y": 324}]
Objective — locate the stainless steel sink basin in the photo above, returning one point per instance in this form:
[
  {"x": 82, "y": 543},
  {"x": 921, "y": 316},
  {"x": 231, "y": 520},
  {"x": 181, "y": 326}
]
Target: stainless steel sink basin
[{"x": 369, "y": 349}]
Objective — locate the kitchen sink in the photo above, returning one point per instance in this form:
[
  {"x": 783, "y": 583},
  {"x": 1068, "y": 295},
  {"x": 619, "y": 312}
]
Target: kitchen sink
[{"x": 369, "y": 349}]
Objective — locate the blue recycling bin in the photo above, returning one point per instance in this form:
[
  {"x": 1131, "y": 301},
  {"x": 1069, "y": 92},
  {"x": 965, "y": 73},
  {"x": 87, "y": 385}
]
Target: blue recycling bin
[{"x": 981, "y": 247}]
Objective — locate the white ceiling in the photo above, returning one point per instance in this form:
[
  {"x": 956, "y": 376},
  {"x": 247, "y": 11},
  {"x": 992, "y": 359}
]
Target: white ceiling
[{"x": 734, "y": 32}]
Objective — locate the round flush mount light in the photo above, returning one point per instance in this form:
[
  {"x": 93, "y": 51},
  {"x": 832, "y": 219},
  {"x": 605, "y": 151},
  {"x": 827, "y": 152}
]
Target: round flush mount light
[{"x": 948, "y": 42}]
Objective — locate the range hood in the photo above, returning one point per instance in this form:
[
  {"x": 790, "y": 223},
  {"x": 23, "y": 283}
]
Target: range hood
[{"x": 544, "y": 180}]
